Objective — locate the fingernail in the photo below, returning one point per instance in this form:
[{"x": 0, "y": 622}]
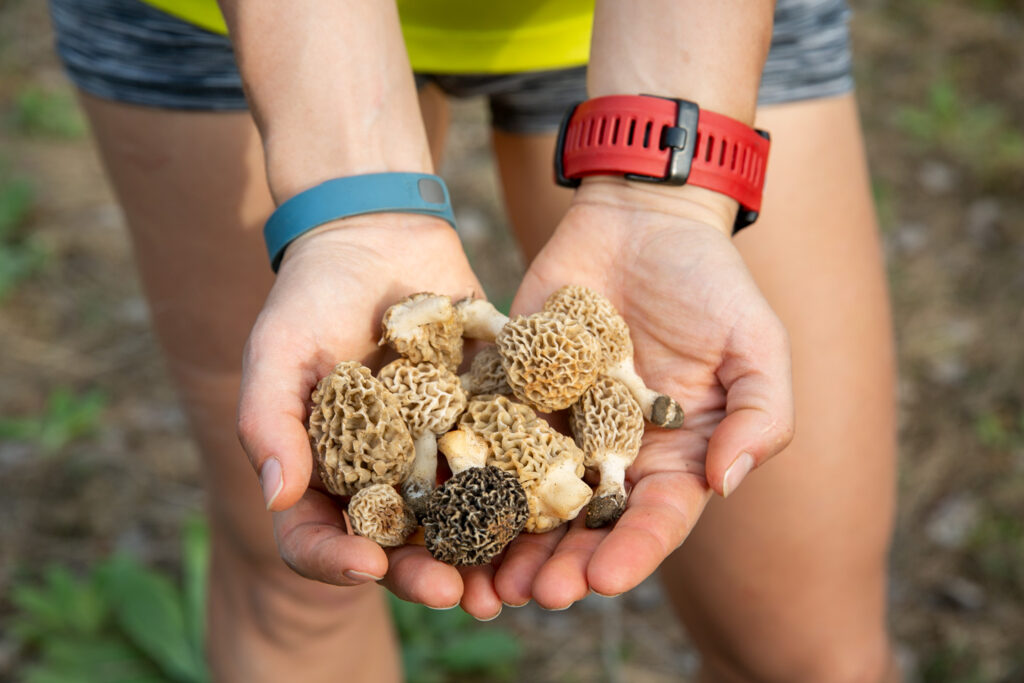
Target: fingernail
[
  {"x": 442, "y": 609},
  {"x": 558, "y": 609},
  {"x": 271, "y": 480},
  {"x": 361, "y": 577},
  {"x": 509, "y": 604},
  {"x": 739, "y": 468},
  {"x": 606, "y": 595},
  {"x": 489, "y": 618}
]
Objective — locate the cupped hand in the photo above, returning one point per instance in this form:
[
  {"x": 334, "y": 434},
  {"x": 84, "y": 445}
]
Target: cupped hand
[
  {"x": 703, "y": 334},
  {"x": 326, "y": 305}
]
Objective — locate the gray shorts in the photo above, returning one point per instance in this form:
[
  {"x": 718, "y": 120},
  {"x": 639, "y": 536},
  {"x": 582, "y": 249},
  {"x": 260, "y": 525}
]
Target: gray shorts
[{"x": 127, "y": 51}]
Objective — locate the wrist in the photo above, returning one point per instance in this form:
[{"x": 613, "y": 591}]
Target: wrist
[{"x": 687, "y": 201}]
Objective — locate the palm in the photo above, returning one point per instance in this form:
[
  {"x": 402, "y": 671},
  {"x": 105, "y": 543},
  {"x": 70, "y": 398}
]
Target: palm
[
  {"x": 325, "y": 307},
  {"x": 695, "y": 317}
]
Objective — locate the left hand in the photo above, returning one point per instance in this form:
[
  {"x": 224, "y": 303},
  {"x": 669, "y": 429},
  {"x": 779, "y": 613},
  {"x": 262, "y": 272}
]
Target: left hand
[{"x": 703, "y": 334}]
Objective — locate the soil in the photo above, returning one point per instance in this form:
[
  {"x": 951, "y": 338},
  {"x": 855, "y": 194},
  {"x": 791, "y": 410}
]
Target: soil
[{"x": 941, "y": 88}]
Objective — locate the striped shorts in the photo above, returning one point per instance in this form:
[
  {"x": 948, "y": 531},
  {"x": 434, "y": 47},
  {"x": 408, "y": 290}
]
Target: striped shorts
[{"x": 127, "y": 51}]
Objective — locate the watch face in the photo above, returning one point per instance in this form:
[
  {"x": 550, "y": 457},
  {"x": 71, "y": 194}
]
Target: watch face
[{"x": 431, "y": 191}]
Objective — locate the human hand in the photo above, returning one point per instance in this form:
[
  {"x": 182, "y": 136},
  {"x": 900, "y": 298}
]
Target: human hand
[
  {"x": 703, "y": 334},
  {"x": 326, "y": 305}
]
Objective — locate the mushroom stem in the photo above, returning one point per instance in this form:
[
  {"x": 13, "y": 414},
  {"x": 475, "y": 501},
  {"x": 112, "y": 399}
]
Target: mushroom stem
[
  {"x": 660, "y": 409},
  {"x": 415, "y": 314},
  {"x": 562, "y": 493},
  {"x": 421, "y": 480},
  {"x": 480, "y": 319},
  {"x": 610, "y": 496},
  {"x": 463, "y": 449}
]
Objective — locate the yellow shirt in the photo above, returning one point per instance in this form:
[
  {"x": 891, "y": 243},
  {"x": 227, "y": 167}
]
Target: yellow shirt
[{"x": 465, "y": 36}]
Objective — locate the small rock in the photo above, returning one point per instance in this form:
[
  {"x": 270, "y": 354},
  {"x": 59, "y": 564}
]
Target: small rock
[
  {"x": 949, "y": 370},
  {"x": 910, "y": 238},
  {"x": 961, "y": 594},
  {"x": 952, "y": 522},
  {"x": 936, "y": 177},
  {"x": 982, "y": 221}
]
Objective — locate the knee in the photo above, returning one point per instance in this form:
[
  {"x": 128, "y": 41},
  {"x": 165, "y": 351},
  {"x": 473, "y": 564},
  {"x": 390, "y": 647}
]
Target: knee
[{"x": 869, "y": 660}]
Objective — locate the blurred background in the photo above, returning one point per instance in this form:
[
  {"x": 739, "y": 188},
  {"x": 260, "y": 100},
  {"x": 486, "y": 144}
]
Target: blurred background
[{"x": 101, "y": 545}]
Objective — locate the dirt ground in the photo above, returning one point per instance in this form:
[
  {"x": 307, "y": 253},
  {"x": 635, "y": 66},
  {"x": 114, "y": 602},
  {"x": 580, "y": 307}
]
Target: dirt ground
[{"x": 941, "y": 87}]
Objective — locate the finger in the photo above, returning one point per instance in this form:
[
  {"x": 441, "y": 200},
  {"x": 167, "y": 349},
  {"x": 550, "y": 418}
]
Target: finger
[
  {"x": 523, "y": 559},
  {"x": 314, "y": 541},
  {"x": 271, "y": 413},
  {"x": 479, "y": 598},
  {"x": 660, "y": 511},
  {"x": 562, "y": 580},
  {"x": 415, "y": 576},
  {"x": 759, "y": 410}
]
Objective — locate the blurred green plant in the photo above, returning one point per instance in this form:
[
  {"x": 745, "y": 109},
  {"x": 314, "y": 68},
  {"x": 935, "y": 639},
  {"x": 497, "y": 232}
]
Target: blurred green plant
[
  {"x": 952, "y": 665},
  {"x": 980, "y": 134},
  {"x": 20, "y": 256},
  {"x": 997, "y": 547},
  {"x": 996, "y": 431},
  {"x": 66, "y": 417},
  {"x": 47, "y": 113},
  {"x": 121, "y": 623},
  {"x": 437, "y": 645}
]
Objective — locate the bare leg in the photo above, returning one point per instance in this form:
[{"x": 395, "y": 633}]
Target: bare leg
[
  {"x": 193, "y": 190},
  {"x": 534, "y": 203},
  {"x": 785, "y": 581}
]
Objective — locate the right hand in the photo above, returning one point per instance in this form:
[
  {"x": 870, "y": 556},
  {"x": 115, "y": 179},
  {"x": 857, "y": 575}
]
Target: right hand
[{"x": 331, "y": 291}]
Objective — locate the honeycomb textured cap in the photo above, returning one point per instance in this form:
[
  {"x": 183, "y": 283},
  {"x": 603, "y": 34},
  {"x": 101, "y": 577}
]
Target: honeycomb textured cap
[
  {"x": 607, "y": 419},
  {"x": 486, "y": 374},
  {"x": 474, "y": 515},
  {"x": 598, "y": 315},
  {"x": 430, "y": 396},
  {"x": 379, "y": 513},
  {"x": 424, "y": 327},
  {"x": 549, "y": 359},
  {"x": 357, "y": 431},
  {"x": 525, "y": 445}
]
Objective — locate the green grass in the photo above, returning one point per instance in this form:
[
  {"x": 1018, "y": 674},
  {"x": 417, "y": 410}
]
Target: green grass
[
  {"x": 120, "y": 623},
  {"x": 20, "y": 255},
  {"x": 980, "y": 134},
  {"x": 123, "y": 622},
  {"x": 66, "y": 417},
  {"x": 47, "y": 113}
]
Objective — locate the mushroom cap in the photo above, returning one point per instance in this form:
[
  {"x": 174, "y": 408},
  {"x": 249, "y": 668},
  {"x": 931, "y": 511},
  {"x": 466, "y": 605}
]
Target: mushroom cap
[
  {"x": 607, "y": 419},
  {"x": 474, "y": 515},
  {"x": 424, "y": 327},
  {"x": 430, "y": 396},
  {"x": 379, "y": 513},
  {"x": 549, "y": 359},
  {"x": 525, "y": 445},
  {"x": 598, "y": 315},
  {"x": 486, "y": 374},
  {"x": 357, "y": 431}
]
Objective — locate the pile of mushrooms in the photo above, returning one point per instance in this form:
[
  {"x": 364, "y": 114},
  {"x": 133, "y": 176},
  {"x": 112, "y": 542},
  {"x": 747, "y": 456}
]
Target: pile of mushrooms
[{"x": 376, "y": 439}]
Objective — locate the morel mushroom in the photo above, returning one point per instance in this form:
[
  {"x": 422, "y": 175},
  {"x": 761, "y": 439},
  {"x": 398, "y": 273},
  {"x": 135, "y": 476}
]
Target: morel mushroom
[
  {"x": 476, "y": 513},
  {"x": 480, "y": 319},
  {"x": 547, "y": 464},
  {"x": 431, "y": 399},
  {"x": 608, "y": 425},
  {"x": 549, "y": 359},
  {"x": 379, "y": 513},
  {"x": 424, "y": 327},
  {"x": 486, "y": 374},
  {"x": 357, "y": 431},
  {"x": 599, "y": 316}
]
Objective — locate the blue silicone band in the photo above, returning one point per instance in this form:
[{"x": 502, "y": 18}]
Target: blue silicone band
[{"x": 352, "y": 196}]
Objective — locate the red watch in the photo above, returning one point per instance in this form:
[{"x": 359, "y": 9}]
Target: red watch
[{"x": 661, "y": 140}]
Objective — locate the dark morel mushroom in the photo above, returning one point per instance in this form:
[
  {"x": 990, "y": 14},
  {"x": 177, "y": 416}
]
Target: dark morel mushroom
[{"x": 474, "y": 515}]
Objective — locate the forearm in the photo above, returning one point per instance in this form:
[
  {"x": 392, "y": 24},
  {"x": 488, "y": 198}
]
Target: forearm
[
  {"x": 330, "y": 88},
  {"x": 711, "y": 53}
]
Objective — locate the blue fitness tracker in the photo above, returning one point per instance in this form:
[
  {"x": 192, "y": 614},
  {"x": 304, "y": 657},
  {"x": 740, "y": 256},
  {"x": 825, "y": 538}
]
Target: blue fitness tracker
[{"x": 343, "y": 197}]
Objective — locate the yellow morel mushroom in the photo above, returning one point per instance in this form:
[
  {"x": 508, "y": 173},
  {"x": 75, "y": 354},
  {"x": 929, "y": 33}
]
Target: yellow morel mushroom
[
  {"x": 357, "y": 431},
  {"x": 486, "y": 374},
  {"x": 424, "y": 328},
  {"x": 608, "y": 425},
  {"x": 431, "y": 399},
  {"x": 379, "y": 513},
  {"x": 599, "y": 316}
]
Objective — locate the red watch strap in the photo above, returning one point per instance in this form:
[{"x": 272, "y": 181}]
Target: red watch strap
[{"x": 638, "y": 135}]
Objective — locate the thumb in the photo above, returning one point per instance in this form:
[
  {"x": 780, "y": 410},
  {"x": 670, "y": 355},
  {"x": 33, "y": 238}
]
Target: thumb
[
  {"x": 271, "y": 415},
  {"x": 759, "y": 413}
]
